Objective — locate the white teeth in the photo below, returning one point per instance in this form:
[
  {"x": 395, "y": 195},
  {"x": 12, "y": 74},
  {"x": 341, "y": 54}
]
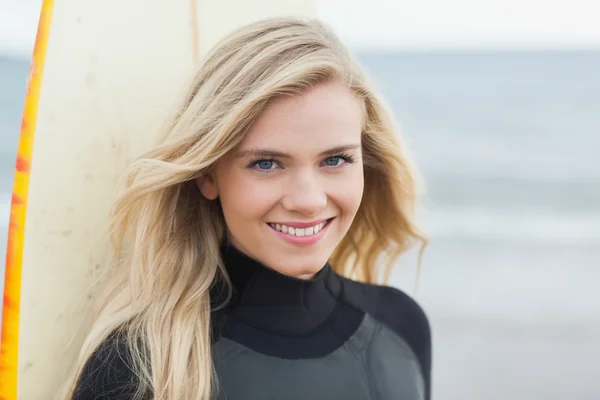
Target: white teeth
[{"x": 299, "y": 231}]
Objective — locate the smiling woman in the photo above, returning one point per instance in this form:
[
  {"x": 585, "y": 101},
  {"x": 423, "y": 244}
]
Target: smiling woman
[
  {"x": 310, "y": 179},
  {"x": 248, "y": 241}
]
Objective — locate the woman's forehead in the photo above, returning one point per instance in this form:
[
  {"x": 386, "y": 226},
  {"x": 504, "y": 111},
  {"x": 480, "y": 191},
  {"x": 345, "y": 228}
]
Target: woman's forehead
[{"x": 326, "y": 116}]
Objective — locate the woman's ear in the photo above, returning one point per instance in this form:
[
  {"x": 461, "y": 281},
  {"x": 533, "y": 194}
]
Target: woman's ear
[{"x": 207, "y": 186}]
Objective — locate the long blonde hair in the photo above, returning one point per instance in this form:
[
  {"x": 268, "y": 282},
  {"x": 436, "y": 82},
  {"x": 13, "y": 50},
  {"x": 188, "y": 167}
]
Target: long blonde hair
[{"x": 166, "y": 237}]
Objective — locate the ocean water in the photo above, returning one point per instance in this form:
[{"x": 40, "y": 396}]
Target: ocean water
[
  {"x": 13, "y": 83},
  {"x": 508, "y": 147}
]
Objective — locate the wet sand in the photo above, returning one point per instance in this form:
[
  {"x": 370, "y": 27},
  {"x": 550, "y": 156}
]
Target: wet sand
[{"x": 472, "y": 362}]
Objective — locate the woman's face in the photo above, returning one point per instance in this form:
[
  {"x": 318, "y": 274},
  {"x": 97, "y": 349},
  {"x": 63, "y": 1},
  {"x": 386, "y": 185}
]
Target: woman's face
[{"x": 291, "y": 189}]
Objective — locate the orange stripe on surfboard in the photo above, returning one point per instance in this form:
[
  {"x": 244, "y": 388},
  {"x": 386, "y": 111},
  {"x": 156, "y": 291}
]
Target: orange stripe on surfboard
[{"x": 14, "y": 253}]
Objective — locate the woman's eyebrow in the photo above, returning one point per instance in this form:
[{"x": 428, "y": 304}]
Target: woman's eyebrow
[
  {"x": 254, "y": 153},
  {"x": 340, "y": 149},
  {"x": 260, "y": 153}
]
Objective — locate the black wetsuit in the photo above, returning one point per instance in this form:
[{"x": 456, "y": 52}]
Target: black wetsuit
[{"x": 283, "y": 338}]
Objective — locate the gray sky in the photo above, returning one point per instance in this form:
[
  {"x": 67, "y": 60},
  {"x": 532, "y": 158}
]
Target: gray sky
[
  {"x": 465, "y": 23},
  {"x": 406, "y": 24}
]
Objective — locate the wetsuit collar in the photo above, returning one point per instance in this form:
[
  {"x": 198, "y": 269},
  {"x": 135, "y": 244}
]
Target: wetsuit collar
[{"x": 270, "y": 300}]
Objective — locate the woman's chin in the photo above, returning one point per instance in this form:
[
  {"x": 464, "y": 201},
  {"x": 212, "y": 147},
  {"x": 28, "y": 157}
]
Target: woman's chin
[{"x": 301, "y": 270}]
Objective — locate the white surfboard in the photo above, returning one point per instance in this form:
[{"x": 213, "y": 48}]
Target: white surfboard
[{"x": 104, "y": 76}]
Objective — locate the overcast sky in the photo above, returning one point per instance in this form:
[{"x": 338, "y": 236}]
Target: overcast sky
[{"x": 406, "y": 24}]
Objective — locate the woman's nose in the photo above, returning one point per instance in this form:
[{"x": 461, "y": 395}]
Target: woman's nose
[{"x": 305, "y": 194}]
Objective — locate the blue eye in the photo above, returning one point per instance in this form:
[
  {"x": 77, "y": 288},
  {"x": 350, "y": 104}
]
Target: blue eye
[
  {"x": 265, "y": 165},
  {"x": 333, "y": 161}
]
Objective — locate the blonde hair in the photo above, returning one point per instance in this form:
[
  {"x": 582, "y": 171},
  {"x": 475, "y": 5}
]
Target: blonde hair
[{"x": 166, "y": 237}]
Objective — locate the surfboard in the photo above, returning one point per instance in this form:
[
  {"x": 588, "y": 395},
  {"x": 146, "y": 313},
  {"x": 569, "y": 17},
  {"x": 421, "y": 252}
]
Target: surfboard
[{"x": 104, "y": 76}]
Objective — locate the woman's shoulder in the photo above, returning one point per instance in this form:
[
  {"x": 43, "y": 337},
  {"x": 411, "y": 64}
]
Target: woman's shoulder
[
  {"x": 108, "y": 373},
  {"x": 388, "y": 304},
  {"x": 396, "y": 310}
]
